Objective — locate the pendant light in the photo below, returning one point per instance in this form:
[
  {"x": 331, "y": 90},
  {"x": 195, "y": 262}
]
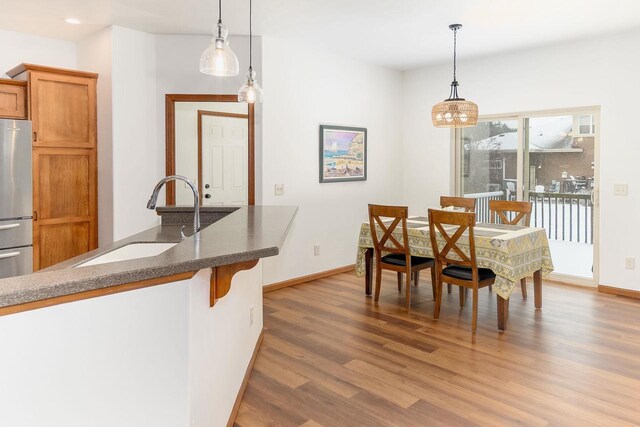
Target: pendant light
[
  {"x": 454, "y": 112},
  {"x": 250, "y": 92},
  {"x": 218, "y": 59}
]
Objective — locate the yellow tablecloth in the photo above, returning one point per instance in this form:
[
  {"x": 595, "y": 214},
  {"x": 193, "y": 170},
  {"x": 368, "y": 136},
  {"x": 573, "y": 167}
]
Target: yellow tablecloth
[{"x": 512, "y": 252}]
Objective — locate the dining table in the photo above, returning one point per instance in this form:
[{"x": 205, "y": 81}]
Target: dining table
[{"x": 512, "y": 252}]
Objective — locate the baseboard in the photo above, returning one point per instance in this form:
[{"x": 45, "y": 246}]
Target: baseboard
[
  {"x": 308, "y": 278},
  {"x": 628, "y": 293},
  {"x": 565, "y": 279},
  {"x": 245, "y": 381}
]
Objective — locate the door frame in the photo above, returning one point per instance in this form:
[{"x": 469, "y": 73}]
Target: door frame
[
  {"x": 170, "y": 140},
  {"x": 456, "y": 180},
  {"x": 202, "y": 113}
]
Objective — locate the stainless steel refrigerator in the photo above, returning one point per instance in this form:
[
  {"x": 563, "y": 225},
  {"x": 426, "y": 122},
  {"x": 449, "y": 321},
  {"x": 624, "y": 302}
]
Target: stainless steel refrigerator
[{"x": 16, "y": 200}]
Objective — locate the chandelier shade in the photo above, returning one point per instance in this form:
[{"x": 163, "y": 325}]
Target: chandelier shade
[{"x": 454, "y": 113}]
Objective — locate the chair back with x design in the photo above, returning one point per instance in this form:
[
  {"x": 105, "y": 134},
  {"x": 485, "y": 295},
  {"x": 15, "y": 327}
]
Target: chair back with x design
[
  {"x": 468, "y": 204},
  {"x": 388, "y": 242},
  {"x": 439, "y": 225},
  {"x": 510, "y": 212}
]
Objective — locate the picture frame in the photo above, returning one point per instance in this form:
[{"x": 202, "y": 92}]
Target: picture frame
[{"x": 342, "y": 154}]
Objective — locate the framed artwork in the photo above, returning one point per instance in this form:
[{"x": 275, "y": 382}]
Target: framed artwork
[{"x": 343, "y": 153}]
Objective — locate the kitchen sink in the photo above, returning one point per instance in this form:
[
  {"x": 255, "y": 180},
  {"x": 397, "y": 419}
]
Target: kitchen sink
[{"x": 128, "y": 252}]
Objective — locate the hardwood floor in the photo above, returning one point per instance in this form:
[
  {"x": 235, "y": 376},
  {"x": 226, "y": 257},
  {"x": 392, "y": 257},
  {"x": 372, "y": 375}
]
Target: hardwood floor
[{"x": 331, "y": 357}]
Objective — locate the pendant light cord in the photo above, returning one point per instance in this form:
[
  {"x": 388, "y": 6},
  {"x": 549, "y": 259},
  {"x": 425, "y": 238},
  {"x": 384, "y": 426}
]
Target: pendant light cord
[
  {"x": 250, "y": 38},
  {"x": 453, "y": 95},
  {"x": 219, "y": 11},
  {"x": 455, "y": 43}
]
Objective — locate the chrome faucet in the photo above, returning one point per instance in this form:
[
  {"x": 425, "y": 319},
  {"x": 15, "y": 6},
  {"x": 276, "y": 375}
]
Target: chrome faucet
[{"x": 151, "y": 204}]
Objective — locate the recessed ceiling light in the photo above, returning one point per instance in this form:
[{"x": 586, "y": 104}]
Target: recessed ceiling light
[{"x": 73, "y": 21}]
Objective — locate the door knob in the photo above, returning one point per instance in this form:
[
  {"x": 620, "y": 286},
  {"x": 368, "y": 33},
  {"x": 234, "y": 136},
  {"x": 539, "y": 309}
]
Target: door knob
[
  {"x": 207, "y": 196},
  {"x": 207, "y": 186}
]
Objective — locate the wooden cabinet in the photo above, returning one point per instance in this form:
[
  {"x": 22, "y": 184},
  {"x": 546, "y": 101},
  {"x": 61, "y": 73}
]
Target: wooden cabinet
[
  {"x": 13, "y": 99},
  {"x": 64, "y": 190},
  {"x": 62, "y": 107},
  {"x": 63, "y": 110}
]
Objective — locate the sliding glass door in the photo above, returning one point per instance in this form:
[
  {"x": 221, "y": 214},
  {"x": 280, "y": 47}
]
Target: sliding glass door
[
  {"x": 489, "y": 162},
  {"x": 548, "y": 159}
]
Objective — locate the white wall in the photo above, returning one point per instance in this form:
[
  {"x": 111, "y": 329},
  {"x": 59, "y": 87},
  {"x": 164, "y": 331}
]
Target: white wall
[
  {"x": 306, "y": 86},
  {"x": 221, "y": 343},
  {"x": 585, "y": 73},
  {"x": 158, "y": 356},
  {"x": 95, "y": 54},
  {"x": 118, "y": 360},
  {"x": 16, "y": 48},
  {"x": 138, "y": 149}
]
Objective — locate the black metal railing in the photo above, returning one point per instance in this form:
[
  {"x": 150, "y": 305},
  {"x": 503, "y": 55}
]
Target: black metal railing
[{"x": 565, "y": 216}]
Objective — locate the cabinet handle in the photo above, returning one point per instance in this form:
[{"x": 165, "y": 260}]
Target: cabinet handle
[
  {"x": 9, "y": 226},
  {"x": 35, "y": 136},
  {"x": 35, "y": 215},
  {"x": 9, "y": 255}
]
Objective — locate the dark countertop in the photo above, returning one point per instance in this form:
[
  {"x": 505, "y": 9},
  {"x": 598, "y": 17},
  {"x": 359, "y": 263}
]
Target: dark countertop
[{"x": 248, "y": 233}]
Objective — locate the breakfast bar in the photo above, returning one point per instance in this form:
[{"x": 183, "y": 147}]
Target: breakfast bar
[{"x": 147, "y": 325}]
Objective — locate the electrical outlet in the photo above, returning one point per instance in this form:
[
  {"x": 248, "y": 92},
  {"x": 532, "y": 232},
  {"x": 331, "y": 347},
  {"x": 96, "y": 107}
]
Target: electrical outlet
[
  {"x": 251, "y": 316},
  {"x": 279, "y": 190},
  {"x": 316, "y": 250},
  {"x": 630, "y": 263},
  {"x": 620, "y": 190}
]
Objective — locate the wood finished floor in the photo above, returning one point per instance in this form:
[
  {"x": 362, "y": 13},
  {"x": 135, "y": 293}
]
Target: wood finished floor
[{"x": 331, "y": 357}]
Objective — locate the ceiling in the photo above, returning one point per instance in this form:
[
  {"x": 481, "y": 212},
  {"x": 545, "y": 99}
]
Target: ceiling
[{"x": 400, "y": 34}]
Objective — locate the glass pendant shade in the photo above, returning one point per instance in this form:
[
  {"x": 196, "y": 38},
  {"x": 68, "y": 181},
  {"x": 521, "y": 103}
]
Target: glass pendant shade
[
  {"x": 250, "y": 92},
  {"x": 454, "y": 113},
  {"x": 218, "y": 59}
]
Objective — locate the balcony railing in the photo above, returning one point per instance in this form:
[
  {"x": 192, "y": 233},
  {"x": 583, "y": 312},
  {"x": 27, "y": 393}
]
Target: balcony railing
[
  {"x": 482, "y": 203},
  {"x": 565, "y": 216}
]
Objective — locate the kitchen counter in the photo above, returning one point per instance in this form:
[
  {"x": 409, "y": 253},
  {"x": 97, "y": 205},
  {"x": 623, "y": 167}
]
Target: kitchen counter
[{"x": 242, "y": 234}]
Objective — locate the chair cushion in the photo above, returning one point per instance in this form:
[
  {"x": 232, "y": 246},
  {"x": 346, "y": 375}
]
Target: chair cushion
[
  {"x": 464, "y": 273},
  {"x": 399, "y": 259}
]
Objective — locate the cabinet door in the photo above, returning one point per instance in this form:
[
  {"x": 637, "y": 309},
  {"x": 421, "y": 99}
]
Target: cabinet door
[
  {"x": 65, "y": 205},
  {"x": 63, "y": 110},
  {"x": 13, "y": 101}
]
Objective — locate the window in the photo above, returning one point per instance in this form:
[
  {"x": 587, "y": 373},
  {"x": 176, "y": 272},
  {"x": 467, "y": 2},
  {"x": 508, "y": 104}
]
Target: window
[
  {"x": 490, "y": 156},
  {"x": 586, "y": 125}
]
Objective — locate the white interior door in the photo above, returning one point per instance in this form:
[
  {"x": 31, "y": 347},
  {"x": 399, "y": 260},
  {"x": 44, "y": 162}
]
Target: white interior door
[{"x": 224, "y": 160}]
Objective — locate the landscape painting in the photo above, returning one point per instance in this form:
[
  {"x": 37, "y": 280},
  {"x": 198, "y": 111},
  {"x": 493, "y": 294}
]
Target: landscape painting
[{"x": 343, "y": 154}]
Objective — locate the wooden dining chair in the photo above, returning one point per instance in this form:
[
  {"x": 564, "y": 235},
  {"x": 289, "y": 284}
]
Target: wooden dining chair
[
  {"x": 513, "y": 213},
  {"x": 468, "y": 204},
  {"x": 392, "y": 254},
  {"x": 453, "y": 265}
]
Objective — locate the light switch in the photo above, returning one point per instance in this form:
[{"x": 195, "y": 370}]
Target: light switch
[
  {"x": 279, "y": 189},
  {"x": 630, "y": 263},
  {"x": 620, "y": 190}
]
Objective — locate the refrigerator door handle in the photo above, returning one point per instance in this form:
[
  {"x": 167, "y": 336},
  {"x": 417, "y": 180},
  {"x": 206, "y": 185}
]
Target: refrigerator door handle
[
  {"x": 9, "y": 255},
  {"x": 9, "y": 226}
]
